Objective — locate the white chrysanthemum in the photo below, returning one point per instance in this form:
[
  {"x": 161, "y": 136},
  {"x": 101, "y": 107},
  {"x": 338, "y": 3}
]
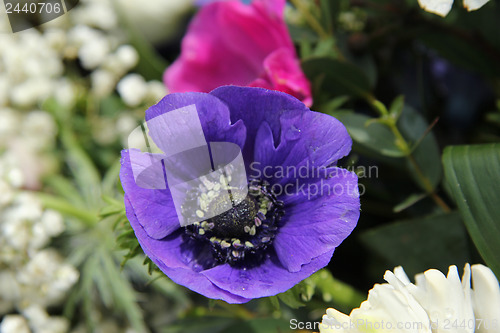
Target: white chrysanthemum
[
  {"x": 388, "y": 306},
  {"x": 436, "y": 303},
  {"x": 445, "y": 298},
  {"x": 443, "y": 7},
  {"x": 486, "y": 299}
]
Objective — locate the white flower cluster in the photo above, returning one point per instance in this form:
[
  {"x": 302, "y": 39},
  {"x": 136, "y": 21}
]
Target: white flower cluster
[
  {"x": 32, "y": 277},
  {"x": 26, "y": 140},
  {"x": 34, "y": 66},
  {"x": 435, "y": 303},
  {"x": 32, "y": 63},
  {"x": 30, "y": 67},
  {"x": 96, "y": 39}
]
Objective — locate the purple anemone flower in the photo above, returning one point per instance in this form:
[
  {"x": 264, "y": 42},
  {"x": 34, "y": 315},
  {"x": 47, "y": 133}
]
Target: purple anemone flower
[{"x": 298, "y": 208}]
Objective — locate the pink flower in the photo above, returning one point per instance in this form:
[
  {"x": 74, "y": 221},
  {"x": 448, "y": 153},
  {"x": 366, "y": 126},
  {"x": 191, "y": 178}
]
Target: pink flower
[{"x": 229, "y": 42}]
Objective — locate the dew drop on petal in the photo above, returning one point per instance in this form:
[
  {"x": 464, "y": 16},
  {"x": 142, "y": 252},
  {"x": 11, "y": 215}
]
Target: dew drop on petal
[{"x": 293, "y": 133}]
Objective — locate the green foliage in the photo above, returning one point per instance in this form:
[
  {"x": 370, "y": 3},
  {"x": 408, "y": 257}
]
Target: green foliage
[
  {"x": 324, "y": 286},
  {"x": 336, "y": 78},
  {"x": 97, "y": 229},
  {"x": 472, "y": 174},
  {"x": 376, "y": 67},
  {"x": 372, "y": 135},
  {"x": 418, "y": 244}
]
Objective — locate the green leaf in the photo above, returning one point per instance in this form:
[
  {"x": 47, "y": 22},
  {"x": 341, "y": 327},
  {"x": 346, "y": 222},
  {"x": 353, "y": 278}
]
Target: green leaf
[
  {"x": 114, "y": 207},
  {"x": 82, "y": 168},
  {"x": 333, "y": 104},
  {"x": 376, "y": 136},
  {"x": 325, "y": 47},
  {"x": 274, "y": 302},
  {"x": 64, "y": 188},
  {"x": 408, "y": 202},
  {"x": 329, "y": 11},
  {"x": 336, "y": 292},
  {"x": 397, "y": 106},
  {"x": 494, "y": 118},
  {"x": 472, "y": 174},
  {"x": 373, "y": 134},
  {"x": 292, "y": 297},
  {"x": 413, "y": 126},
  {"x": 336, "y": 77},
  {"x": 66, "y": 208},
  {"x": 301, "y": 34},
  {"x": 419, "y": 244}
]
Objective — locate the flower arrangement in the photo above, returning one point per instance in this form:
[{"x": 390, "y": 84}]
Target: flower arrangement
[{"x": 249, "y": 165}]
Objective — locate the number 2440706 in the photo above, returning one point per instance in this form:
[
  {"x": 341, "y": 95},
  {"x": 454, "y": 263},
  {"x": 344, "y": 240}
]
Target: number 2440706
[{"x": 33, "y": 8}]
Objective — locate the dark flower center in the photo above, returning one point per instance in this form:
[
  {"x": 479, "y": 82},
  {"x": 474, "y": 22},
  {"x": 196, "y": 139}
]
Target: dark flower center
[
  {"x": 243, "y": 232},
  {"x": 237, "y": 221}
]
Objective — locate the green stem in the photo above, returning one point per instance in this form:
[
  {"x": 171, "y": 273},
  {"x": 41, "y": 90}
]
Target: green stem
[
  {"x": 403, "y": 145},
  {"x": 311, "y": 20},
  {"x": 66, "y": 208}
]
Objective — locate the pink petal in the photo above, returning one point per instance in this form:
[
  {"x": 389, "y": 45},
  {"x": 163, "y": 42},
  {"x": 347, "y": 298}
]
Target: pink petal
[
  {"x": 229, "y": 42},
  {"x": 283, "y": 73}
]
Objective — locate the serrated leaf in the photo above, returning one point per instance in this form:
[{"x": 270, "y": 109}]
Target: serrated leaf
[{"x": 472, "y": 174}]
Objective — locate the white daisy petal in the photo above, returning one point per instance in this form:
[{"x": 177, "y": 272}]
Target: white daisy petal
[
  {"x": 435, "y": 303},
  {"x": 438, "y": 7},
  {"x": 471, "y": 5},
  {"x": 486, "y": 299}
]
